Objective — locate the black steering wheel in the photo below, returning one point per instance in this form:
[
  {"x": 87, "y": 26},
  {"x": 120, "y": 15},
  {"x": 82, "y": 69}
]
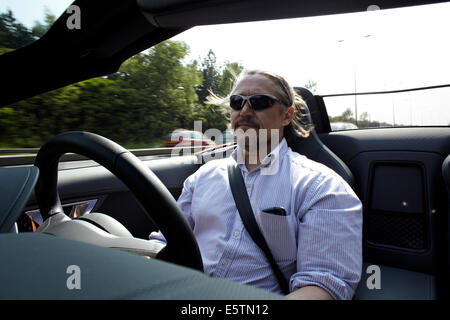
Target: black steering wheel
[{"x": 159, "y": 204}]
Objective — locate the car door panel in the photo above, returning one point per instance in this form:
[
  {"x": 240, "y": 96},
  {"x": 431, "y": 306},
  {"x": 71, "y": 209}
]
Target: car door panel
[
  {"x": 399, "y": 180},
  {"x": 93, "y": 182}
]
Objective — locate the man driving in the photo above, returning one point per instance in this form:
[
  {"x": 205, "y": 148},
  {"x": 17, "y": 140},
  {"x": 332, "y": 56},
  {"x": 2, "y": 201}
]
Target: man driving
[{"x": 315, "y": 231}]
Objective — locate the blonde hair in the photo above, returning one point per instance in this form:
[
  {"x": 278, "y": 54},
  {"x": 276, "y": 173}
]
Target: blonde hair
[{"x": 300, "y": 125}]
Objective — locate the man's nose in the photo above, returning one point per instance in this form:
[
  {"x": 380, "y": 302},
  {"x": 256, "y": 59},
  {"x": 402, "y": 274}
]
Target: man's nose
[{"x": 246, "y": 108}]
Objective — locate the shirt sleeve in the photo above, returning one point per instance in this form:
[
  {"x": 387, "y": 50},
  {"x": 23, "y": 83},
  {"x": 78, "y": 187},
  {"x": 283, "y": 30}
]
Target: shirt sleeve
[
  {"x": 184, "y": 201},
  {"x": 330, "y": 239}
]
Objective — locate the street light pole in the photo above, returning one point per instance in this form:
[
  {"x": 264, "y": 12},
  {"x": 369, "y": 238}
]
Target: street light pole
[
  {"x": 354, "y": 80},
  {"x": 393, "y": 111},
  {"x": 356, "y": 97}
]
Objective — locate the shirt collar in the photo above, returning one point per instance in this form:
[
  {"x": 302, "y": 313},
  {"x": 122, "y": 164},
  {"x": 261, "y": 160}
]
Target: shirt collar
[{"x": 275, "y": 155}]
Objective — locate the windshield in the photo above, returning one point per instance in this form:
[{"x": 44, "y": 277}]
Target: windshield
[
  {"x": 25, "y": 21},
  {"x": 163, "y": 89}
]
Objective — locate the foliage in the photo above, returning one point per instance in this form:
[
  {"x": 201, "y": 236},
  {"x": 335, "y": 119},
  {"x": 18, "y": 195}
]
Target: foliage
[
  {"x": 40, "y": 29},
  {"x": 211, "y": 77},
  {"x": 311, "y": 86},
  {"x": 152, "y": 94},
  {"x": 219, "y": 82},
  {"x": 5, "y": 50},
  {"x": 228, "y": 77},
  {"x": 363, "y": 122},
  {"x": 13, "y": 34}
]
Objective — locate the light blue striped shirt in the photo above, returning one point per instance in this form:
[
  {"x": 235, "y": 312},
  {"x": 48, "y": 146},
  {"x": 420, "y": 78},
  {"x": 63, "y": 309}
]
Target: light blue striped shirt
[{"x": 318, "y": 242}]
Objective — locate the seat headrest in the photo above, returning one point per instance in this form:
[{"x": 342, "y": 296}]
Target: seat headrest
[
  {"x": 312, "y": 147},
  {"x": 315, "y": 109}
]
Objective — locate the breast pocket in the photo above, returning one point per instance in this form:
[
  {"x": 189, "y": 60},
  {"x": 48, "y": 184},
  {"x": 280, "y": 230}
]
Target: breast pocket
[{"x": 279, "y": 232}]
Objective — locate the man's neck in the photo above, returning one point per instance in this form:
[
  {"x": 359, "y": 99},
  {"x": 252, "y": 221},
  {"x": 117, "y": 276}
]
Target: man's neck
[{"x": 252, "y": 161}]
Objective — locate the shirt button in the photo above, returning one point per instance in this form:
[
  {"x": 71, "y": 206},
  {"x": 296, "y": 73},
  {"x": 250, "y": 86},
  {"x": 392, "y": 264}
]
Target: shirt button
[
  {"x": 236, "y": 234},
  {"x": 224, "y": 262}
]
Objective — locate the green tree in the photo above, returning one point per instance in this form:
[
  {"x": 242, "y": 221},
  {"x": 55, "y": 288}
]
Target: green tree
[
  {"x": 211, "y": 77},
  {"x": 5, "y": 50},
  {"x": 165, "y": 96},
  {"x": 173, "y": 84},
  {"x": 346, "y": 116},
  {"x": 311, "y": 86},
  {"x": 228, "y": 77},
  {"x": 13, "y": 34},
  {"x": 40, "y": 29},
  {"x": 87, "y": 105},
  {"x": 213, "y": 116},
  {"x": 152, "y": 94},
  {"x": 364, "y": 116}
]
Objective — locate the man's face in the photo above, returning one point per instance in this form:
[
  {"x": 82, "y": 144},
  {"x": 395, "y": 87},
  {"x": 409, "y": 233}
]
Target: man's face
[{"x": 275, "y": 117}]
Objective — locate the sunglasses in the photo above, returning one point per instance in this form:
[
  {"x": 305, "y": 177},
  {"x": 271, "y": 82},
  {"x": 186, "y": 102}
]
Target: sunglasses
[{"x": 256, "y": 102}]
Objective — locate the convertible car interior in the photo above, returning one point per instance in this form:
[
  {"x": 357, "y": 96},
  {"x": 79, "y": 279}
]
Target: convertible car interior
[{"x": 98, "y": 212}]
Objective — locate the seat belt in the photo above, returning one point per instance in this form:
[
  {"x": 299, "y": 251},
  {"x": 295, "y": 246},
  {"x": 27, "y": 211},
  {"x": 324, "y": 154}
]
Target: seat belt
[{"x": 244, "y": 207}]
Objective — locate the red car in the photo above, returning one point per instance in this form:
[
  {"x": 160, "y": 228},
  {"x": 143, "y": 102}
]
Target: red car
[{"x": 183, "y": 138}]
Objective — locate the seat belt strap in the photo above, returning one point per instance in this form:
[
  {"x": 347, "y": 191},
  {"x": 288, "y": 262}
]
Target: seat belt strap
[{"x": 244, "y": 207}]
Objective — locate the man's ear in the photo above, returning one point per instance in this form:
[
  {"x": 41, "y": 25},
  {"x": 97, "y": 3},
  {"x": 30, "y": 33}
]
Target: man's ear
[{"x": 288, "y": 115}]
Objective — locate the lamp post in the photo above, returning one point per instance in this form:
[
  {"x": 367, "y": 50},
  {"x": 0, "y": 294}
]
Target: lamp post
[
  {"x": 356, "y": 97},
  {"x": 354, "y": 79}
]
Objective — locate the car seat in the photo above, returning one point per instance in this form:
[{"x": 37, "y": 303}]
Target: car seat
[
  {"x": 397, "y": 283},
  {"x": 312, "y": 147}
]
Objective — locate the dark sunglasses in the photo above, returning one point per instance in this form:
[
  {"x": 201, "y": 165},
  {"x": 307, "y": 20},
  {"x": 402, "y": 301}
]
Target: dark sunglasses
[{"x": 256, "y": 102}]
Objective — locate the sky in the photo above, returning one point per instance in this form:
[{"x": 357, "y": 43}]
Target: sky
[
  {"x": 28, "y": 11},
  {"x": 368, "y": 51}
]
